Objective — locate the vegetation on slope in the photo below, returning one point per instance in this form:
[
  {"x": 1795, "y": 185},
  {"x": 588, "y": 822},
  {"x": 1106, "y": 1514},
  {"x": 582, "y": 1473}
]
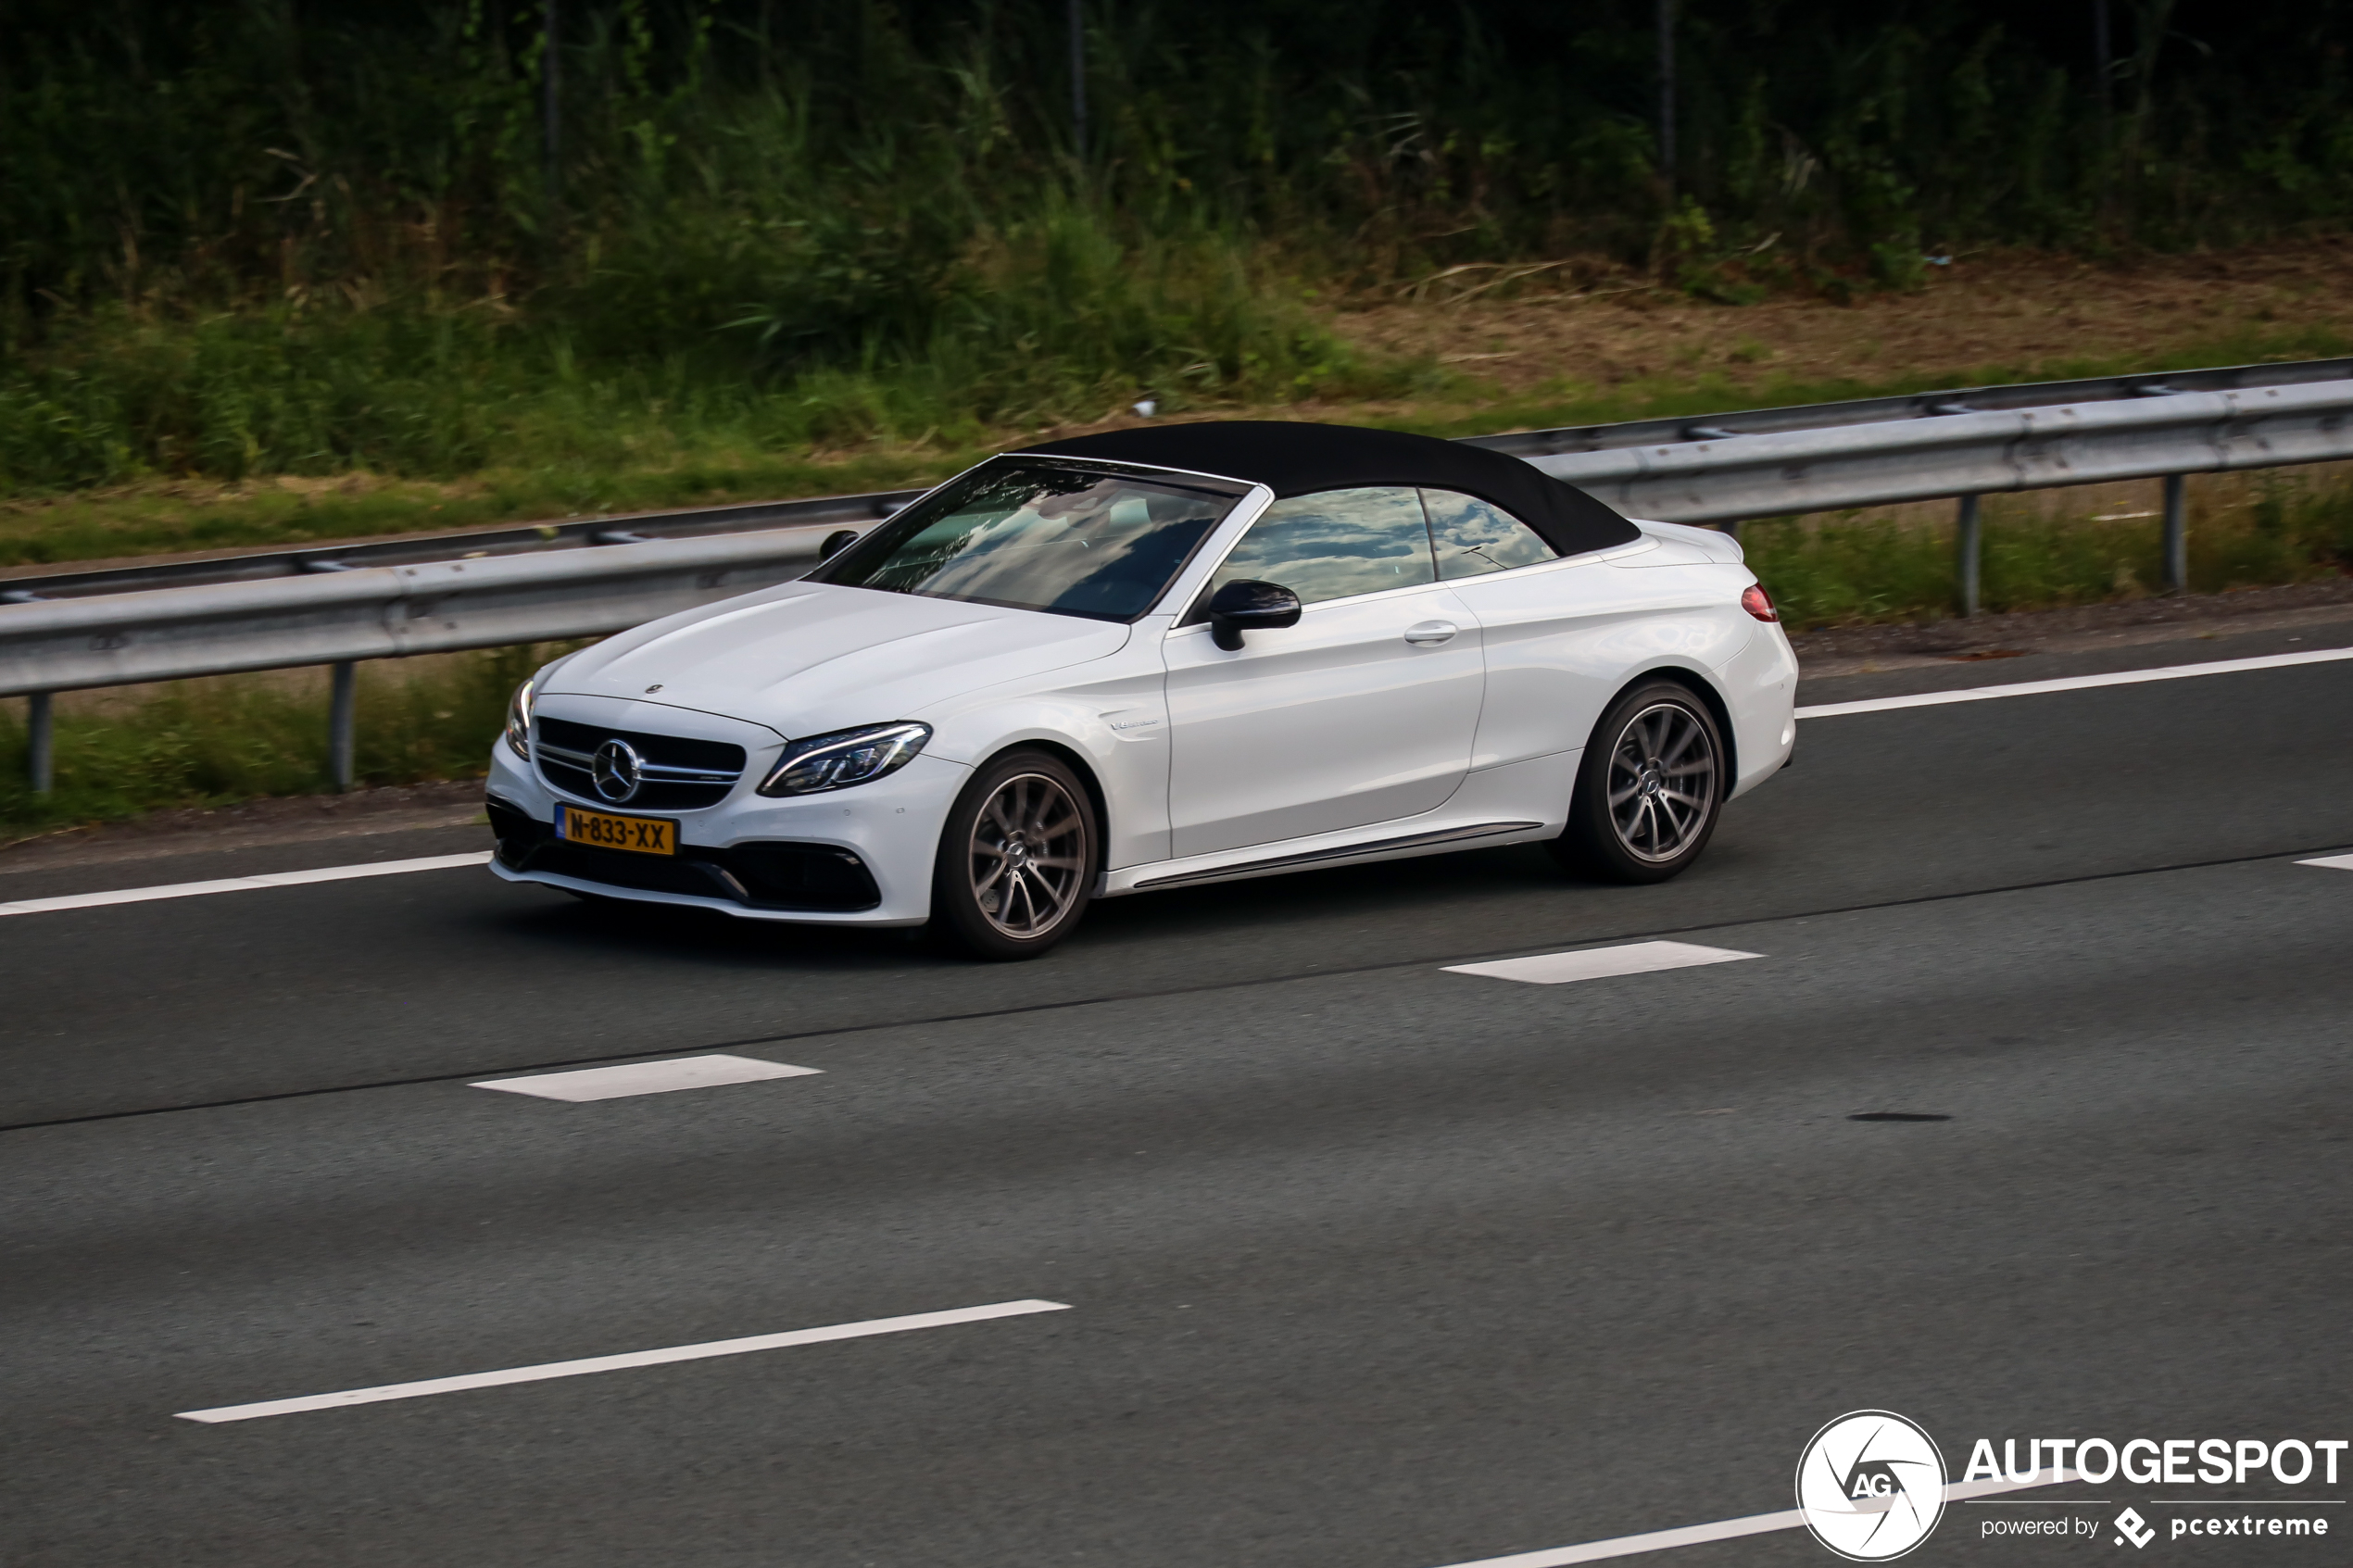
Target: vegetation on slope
[{"x": 256, "y": 239}]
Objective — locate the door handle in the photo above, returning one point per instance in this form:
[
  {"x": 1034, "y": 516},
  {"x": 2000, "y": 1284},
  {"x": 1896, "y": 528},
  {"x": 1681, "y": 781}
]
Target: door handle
[{"x": 1429, "y": 634}]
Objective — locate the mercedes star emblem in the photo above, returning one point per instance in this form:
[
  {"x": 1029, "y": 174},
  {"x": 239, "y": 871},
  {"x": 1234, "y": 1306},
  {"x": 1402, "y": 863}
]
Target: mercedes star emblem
[{"x": 618, "y": 769}]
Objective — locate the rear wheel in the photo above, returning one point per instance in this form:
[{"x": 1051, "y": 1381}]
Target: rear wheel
[
  {"x": 1649, "y": 788},
  {"x": 1016, "y": 864}
]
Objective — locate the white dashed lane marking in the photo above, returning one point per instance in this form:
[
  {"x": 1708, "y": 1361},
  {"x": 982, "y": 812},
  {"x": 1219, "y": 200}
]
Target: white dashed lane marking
[
  {"x": 646, "y": 1078},
  {"x": 2334, "y": 862},
  {"x": 1600, "y": 964},
  {"x": 617, "y": 1363}
]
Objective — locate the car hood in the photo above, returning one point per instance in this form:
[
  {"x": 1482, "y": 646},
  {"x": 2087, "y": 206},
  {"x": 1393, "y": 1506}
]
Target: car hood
[{"x": 807, "y": 658}]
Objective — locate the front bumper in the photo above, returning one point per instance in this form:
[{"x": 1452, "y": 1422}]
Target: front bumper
[{"x": 861, "y": 855}]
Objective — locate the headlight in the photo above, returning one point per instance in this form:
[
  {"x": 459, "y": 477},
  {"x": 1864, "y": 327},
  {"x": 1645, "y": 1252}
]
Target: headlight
[
  {"x": 519, "y": 718},
  {"x": 845, "y": 758}
]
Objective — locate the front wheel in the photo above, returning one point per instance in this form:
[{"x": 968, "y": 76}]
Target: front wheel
[
  {"x": 1649, "y": 788},
  {"x": 1017, "y": 859}
]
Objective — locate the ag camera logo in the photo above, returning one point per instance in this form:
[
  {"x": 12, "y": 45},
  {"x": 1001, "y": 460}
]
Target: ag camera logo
[{"x": 1870, "y": 1485}]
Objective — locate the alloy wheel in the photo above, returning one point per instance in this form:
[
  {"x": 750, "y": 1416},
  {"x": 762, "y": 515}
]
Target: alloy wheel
[
  {"x": 1028, "y": 855},
  {"x": 1663, "y": 779}
]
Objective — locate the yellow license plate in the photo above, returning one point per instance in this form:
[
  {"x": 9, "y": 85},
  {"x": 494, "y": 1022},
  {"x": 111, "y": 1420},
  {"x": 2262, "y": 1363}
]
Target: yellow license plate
[{"x": 640, "y": 835}]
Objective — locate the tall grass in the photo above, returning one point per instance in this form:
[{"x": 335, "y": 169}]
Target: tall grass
[{"x": 1054, "y": 315}]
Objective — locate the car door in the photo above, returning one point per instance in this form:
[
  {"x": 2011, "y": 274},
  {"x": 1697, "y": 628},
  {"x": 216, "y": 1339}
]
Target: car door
[
  {"x": 1557, "y": 634},
  {"x": 1363, "y": 712}
]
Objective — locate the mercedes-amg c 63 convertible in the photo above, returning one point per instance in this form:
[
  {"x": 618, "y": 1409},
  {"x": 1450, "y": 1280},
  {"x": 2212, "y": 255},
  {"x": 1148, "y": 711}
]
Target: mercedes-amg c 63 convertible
[{"x": 1158, "y": 658}]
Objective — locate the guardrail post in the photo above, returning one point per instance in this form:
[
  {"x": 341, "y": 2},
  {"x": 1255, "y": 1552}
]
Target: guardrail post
[
  {"x": 340, "y": 721},
  {"x": 1732, "y": 527},
  {"x": 1967, "y": 552},
  {"x": 2177, "y": 533},
  {"x": 41, "y": 737}
]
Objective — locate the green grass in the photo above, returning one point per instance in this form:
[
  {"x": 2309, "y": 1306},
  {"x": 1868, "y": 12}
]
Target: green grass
[{"x": 1067, "y": 314}]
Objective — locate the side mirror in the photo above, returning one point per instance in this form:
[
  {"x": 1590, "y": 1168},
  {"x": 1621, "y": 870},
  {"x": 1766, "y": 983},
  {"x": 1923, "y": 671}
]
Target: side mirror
[
  {"x": 836, "y": 542},
  {"x": 1250, "y": 606}
]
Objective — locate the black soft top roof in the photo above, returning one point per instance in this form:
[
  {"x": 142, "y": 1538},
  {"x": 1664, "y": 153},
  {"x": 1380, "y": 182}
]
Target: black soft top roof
[{"x": 1299, "y": 459}]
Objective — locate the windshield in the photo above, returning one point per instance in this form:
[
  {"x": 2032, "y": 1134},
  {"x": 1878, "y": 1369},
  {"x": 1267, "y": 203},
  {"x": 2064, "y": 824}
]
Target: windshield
[{"x": 1036, "y": 535}]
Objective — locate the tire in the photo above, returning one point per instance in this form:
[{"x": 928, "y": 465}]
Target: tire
[
  {"x": 1649, "y": 789},
  {"x": 1017, "y": 859}
]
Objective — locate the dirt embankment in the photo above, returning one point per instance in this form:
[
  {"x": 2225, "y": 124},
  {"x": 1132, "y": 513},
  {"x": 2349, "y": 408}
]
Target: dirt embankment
[{"x": 2014, "y": 311}]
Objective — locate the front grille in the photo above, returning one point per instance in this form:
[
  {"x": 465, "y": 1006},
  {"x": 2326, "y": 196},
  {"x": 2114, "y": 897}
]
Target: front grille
[
  {"x": 760, "y": 875},
  {"x": 680, "y": 775}
]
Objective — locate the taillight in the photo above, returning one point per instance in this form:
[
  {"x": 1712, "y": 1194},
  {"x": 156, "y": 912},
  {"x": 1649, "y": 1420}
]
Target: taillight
[{"x": 1759, "y": 603}]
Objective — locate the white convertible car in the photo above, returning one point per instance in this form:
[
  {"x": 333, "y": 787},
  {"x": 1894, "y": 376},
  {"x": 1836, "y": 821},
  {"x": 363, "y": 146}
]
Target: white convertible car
[{"x": 1153, "y": 658}]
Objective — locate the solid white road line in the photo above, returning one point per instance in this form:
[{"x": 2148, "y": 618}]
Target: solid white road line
[
  {"x": 615, "y": 1364},
  {"x": 2076, "y": 683},
  {"x": 646, "y": 1078},
  {"x": 239, "y": 884},
  {"x": 2334, "y": 862},
  {"x": 1600, "y": 964},
  {"x": 1723, "y": 1530}
]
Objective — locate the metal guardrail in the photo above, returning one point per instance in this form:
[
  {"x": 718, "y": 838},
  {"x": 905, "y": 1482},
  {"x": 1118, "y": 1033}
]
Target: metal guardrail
[
  {"x": 1971, "y": 455},
  {"x": 1912, "y": 406},
  {"x": 1754, "y": 476},
  {"x": 838, "y": 510},
  {"x": 541, "y": 538},
  {"x": 371, "y": 612},
  {"x": 381, "y": 612},
  {"x": 341, "y": 617}
]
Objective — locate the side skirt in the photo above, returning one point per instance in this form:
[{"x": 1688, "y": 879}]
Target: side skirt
[{"x": 1376, "y": 848}]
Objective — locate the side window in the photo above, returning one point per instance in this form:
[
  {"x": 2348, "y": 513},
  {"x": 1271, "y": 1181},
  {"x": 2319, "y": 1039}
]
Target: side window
[
  {"x": 1335, "y": 543},
  {"x": 1474, "y": 538}
]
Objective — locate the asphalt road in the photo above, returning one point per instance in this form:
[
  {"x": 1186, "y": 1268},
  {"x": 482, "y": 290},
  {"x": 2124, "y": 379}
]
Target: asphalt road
[{"x": 1367, "y": 1263}]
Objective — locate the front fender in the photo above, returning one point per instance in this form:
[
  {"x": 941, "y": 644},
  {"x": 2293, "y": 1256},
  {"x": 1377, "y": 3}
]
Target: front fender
[{"x": 1115, "y": 728}]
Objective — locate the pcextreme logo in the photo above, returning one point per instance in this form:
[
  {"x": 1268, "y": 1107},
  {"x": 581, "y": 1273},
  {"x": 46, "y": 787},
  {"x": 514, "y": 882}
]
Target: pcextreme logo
[{"x": 1870, "y": 1485}]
